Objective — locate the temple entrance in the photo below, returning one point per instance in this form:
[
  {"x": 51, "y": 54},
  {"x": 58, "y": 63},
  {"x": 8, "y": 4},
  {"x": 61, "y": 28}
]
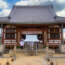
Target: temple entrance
[
  {"x": 32, "y": 43},
  {"x": 33, "y": 39}
]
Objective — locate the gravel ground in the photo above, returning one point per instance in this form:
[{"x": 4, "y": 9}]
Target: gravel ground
[
  {"x": 38, "y": 60},
  {"x": 23, "y": 59}
]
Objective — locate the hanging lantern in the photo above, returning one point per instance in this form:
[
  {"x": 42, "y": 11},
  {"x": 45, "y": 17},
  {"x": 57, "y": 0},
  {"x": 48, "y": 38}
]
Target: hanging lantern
[{"x": 39, "y": 36}]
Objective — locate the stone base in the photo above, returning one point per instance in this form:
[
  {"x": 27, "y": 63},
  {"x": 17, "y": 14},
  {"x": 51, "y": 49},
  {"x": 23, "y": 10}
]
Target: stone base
[{"x": 62, "y": 48}]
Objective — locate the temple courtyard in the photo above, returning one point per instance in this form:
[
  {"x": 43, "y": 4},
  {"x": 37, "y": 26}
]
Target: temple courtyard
[{"x": 40, "y": 59}]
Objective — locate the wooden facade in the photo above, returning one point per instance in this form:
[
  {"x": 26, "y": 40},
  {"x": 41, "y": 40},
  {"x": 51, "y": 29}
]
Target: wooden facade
[{"x": 51, "y": 34}]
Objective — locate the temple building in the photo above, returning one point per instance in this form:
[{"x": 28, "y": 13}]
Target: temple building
[{"x": 41, "y": 21}]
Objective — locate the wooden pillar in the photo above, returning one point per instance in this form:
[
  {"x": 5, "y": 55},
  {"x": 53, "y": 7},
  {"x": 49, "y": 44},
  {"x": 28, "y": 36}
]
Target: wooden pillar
[
  {"x": 45, "y": 36},
  {"x": 62, "y": 34},
  {"x": 1, "y": 32},
  {"x": 18, "y": 36}
]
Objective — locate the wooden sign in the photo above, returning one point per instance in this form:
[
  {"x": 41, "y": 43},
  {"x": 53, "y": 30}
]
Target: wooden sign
[{"x": 32, "y": 32}]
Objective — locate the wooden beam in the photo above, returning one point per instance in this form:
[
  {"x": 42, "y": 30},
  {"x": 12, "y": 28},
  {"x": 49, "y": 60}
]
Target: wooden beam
[{"x": 62, "y": 34}]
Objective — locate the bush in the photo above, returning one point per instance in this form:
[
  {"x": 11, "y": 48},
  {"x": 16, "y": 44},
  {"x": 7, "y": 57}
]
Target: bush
[
  {"x": 18, "y": 47},
  {"x": 44, "y": 46}
]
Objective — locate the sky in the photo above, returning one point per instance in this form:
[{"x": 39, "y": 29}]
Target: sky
[{"x": 7, "y": 5}]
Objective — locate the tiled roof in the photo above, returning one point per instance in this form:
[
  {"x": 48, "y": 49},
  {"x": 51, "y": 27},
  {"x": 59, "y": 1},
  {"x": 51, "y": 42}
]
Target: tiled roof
[{"x": 32, "y": 15}]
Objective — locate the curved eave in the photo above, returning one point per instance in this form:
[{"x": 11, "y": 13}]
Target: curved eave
[
  {"x": 60, "y": 19},
  {"x": 4, "y": 20},
  {"x": 52, "y": 22}
]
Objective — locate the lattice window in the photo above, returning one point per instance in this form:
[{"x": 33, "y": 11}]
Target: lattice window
[
  {"x": 54, "y": 33},
  {"x": 10, "y": 33}
]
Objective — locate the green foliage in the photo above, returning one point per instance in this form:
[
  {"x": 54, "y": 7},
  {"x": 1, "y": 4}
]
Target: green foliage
[
  {"x": 44, "y": 46},
  {"x": 18, "y": 47}
]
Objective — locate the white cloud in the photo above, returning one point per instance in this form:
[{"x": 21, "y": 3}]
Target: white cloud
[
  {"x": 30, "y": 2},
  {"x": 61, "y": 13},
  {"x": 22, "y": 3},
  {"x": 3, "y": 4},
  {"x": 60, "y": 1},
  {"x": 60, "y": 7},
  {"x": 4, "y": 12}
]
